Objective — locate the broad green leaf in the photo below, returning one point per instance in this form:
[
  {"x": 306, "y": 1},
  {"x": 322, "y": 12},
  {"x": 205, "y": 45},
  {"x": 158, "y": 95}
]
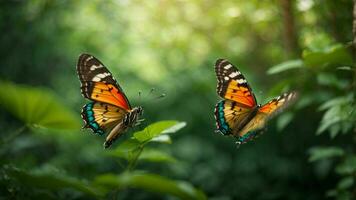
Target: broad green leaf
[
  {"x": 36, "y": 107},
  {"x": 345, "y": 183},
  {"x": 51, "y": 181},
  {"x": 157, "y": 129},
  {"x": 150, "y": 182},
  {"x": 330, "y": 118},
  {"x": 154, "y": 155},
  {"x": 126, "y": 150},
  {"x": 174, "y": 128},
  {"x": 334, "y": 102},
  {"x": 288, "y": 65},
  {"x": 151, "y": 155},
  {"x": 335, "y": 55},
  {"x": 348, "y": 166},
  {"x": 162, "y": 139},
  {"x": 320, "y": 153}
]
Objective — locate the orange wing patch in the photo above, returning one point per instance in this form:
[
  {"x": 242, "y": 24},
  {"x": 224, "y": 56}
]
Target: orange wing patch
[
  {"x": 232, "y": 84},
  {"x": 239, "y": 93},
  {"x": 108, "y": 93},
  {"x": 278, "y": 103}
]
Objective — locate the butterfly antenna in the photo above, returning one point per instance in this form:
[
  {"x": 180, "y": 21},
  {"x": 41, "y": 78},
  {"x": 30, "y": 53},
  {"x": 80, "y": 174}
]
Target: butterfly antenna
[{"x": 139, "y": 96}]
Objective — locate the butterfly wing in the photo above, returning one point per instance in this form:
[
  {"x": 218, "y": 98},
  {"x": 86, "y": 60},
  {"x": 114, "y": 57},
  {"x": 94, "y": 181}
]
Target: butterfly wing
[
  {"x": 98, "y": 84},
  {"x": 278, "y": 103},
  {"x": 231, "y": 117},
  {"x": 232, "y": 84},
  {"x": 264, "y": 113},
  {"x": 102, "y": 117}
]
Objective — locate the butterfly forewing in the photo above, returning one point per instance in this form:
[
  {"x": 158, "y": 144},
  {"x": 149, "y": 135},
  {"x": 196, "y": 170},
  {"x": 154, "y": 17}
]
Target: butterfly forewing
[
  {"x": 232, "y": 84},
  {"x": 278, "y": 103},
  {"x": 265, "y": 113},
  {"x": 98, "y": 84}
]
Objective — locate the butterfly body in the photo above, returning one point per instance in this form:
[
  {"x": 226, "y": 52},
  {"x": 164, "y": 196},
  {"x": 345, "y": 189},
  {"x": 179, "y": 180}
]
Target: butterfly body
[
  {"x": 110, "y": 110},
  {"x": 239, "y": 114}
]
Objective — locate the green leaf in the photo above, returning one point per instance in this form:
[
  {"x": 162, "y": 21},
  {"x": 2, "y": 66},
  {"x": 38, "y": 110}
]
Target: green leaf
[
  {"x": 153, "y": 155},
  {"x": 36, "y": 107},
  {"x": 345, "y": 183},
  {"x": 320, "y": 153},
  {"x": 128, "y": 153},
  {"x": 334, "y": 55},
  {"x": 126, "y": 150},
  {"x": 150, "y": 182},
  {"x": 348, "y": 166},
  {"x": 157, "y": 129},
  {"x": 334, "y": 102},
  {"x": 346, "y": 68},
  {"x": 162, "y": 139},
  {"x": 330, "y": 119},
  {"x": 51, "y": 181},
  {"x": 288, "y": 65}
]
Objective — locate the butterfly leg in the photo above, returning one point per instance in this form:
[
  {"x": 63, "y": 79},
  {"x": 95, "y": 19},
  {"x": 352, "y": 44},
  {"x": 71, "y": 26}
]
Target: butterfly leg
[{"x": 138, "y": 122}]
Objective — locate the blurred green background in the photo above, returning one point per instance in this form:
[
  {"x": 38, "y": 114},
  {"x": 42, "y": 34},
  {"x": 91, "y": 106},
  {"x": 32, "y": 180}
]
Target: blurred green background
[{"x": 307, "y": 152}]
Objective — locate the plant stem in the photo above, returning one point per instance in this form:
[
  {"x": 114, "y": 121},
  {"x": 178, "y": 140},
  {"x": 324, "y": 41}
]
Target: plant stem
[
  {"x": 133, "y": 163},
  {"x": 7, "y": 140},
  {"x": 13, "y": 135}
]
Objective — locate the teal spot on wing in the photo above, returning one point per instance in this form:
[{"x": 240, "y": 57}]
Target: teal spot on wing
[
  {"x": 248, "y": 136},
  {"x": 224, "y": 127},
  {"x": 90, "y": 119}
]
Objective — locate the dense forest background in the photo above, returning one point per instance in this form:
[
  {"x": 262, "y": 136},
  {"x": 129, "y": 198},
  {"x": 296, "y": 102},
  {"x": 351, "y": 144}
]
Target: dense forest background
[{"x": 307, "y": 152}]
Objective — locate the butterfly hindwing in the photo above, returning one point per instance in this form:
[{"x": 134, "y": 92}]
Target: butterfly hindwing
[
  {"x": 231, "y": 117},
  {"x": 98, "y": 84},
  {"x": 232, "y": 84},
  {"x": 102, "y": 117}
]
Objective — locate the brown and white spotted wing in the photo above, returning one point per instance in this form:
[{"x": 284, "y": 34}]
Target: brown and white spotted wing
[
  {"x": 98, "y": 84},
  {"x": 233, "y": 85}
]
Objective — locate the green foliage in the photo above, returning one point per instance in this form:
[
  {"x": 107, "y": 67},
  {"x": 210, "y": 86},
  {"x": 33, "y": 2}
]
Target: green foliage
[
  {"x": 36, "y": 107},
  {"x": 150, "y": 182},
  {"x": 50, "y": 181},
  {"x": 336, "y": 99},
  {"x": 131, "y": 150},
  {"x": 134, "y": 150},
  {"x": 291, "y": 64},
  {"x": 340, "y": 114},
  {"x": 332, "y": 55},
  {"x": 319, "y": 153},
  {"x": 157, "y": 129}
]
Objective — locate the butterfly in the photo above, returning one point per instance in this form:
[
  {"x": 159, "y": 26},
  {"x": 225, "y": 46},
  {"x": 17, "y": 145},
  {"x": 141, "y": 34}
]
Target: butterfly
[
  {"x": 110, "y": 110},
  {"x": 239, "y": 114}
]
